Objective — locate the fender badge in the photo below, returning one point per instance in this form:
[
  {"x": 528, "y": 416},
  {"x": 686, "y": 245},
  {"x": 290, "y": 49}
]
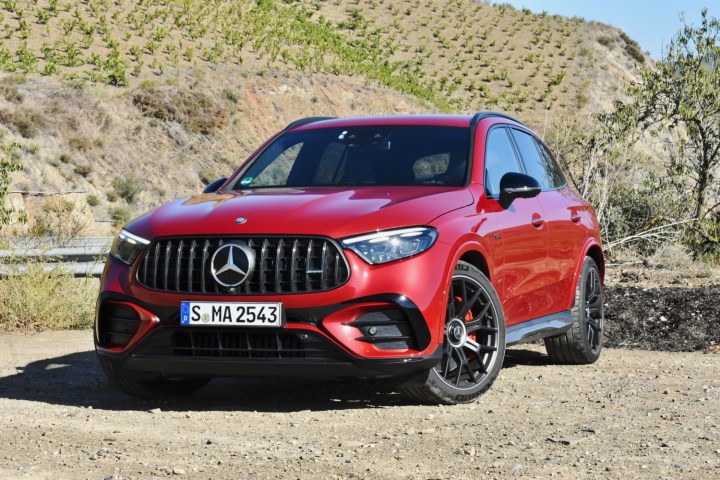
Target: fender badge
[{"x": 240, "y": 220}]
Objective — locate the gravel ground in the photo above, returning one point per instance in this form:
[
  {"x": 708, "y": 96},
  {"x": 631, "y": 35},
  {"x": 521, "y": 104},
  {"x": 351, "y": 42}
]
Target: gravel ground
[{"x": 634, "y": 414}]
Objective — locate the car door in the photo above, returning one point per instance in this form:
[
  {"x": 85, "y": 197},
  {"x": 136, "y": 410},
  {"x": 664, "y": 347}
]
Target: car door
[
  {"x": 563, "y": 210},
  {"x": 520, "y": 257}
]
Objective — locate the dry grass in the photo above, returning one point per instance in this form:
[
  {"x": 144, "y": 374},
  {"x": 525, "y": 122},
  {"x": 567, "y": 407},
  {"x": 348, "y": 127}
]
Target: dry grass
[{"x": 40, "y": 300}]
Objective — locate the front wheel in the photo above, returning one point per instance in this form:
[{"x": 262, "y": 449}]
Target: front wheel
[
  {"x": 473, "y": 344},
  {"x": 582, "y": 344}
]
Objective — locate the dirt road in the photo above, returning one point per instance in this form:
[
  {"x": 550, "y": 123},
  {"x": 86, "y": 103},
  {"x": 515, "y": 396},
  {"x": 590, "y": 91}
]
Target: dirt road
[{"x": 634, "y": 414}]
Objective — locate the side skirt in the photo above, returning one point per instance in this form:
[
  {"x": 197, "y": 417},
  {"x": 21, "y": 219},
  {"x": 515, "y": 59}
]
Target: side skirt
[{"x": 542, "y": 327}]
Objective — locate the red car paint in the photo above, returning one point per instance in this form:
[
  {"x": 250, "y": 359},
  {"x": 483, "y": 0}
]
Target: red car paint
[{"x": 532, "y": 252}]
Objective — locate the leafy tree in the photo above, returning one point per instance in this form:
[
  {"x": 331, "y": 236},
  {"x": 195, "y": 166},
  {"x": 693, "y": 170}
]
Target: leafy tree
[{"x": 680, "y": 95}]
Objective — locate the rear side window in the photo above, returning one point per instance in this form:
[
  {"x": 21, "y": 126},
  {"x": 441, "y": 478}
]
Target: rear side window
[
  {"x": 557, "y": 179},
  {"x": 538, "y": 165},
  {"x": 500, "y": 159}
]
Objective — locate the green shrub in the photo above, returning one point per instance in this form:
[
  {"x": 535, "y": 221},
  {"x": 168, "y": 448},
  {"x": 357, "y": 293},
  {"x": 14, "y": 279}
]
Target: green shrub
[
  {"x": 120, "y": 216},
  {"x": 93, "y": 200},
  {"x": 127, "y": 188},
  {"x": 632, "y": 48},
  {"x": 83, "y": 170},
  {"x": 605, "y": 40},
  {"x": 111, "y": 196}
]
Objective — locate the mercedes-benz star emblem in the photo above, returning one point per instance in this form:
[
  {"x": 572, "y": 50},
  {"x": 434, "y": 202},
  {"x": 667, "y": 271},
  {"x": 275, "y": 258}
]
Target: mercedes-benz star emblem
[{"x": 232, "y": 264}]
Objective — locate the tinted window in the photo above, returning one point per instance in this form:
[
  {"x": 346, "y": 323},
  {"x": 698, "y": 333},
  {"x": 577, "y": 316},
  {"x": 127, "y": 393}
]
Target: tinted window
[
  {"x": 500, "y": 159},
  {"x": 279, "y": 170},
  {"x": 383, "y": 155},
  {"x": 537, "y": 161},
  {"x": 557, "y": 179}
]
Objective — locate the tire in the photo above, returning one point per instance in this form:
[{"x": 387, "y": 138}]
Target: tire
[
  {"x": 582, "y": 344},
  {"x": 473, "y": 343},
  {"x": 150, "y": 385}
]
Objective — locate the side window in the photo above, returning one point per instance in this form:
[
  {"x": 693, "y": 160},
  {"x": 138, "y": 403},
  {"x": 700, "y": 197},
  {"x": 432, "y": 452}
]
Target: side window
[
  {"x": 500, "y": 159},
  {"x": 535, "y": 165},
  {"x": 557, "y": 179}
]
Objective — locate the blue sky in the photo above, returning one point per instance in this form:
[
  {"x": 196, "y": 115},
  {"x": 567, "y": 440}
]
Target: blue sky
[{"x": 651, "y": 23}]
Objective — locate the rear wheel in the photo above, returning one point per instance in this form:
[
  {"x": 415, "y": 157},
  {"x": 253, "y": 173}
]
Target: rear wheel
[
  {"x": 582, "y": 344},
  {"x": 473, "y": 345},
  {"x": 150, "y": 385}
]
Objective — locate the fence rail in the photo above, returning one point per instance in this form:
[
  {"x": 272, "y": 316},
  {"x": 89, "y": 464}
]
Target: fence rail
[{"x": 81, "y": 256}]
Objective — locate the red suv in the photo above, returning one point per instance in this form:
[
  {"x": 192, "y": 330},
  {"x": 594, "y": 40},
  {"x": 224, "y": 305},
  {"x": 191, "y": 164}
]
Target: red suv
[{"x": 413, "y": 248}]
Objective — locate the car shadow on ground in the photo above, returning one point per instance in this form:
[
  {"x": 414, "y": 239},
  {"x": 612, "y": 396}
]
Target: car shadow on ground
[
  {"x": 76, "y": 380},
  {"x": 518, "y": 356}
]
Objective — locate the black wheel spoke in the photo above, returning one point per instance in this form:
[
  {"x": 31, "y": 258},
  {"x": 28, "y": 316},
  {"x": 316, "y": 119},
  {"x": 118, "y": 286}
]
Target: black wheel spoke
[
  {"x": 476, "y": 324},
  {"x": 467, "y": 304},
  {"x": 592, "y": 288},
  {"x": 466, "y": 365},
  {"x": 451, "y": 302},
  {"x": 447, "y": 352},
  {"x": 460, "y": 355}
]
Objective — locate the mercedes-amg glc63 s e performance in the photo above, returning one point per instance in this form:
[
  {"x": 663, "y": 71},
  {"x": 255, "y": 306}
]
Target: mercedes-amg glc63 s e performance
[{"x": 411, "y": 248}]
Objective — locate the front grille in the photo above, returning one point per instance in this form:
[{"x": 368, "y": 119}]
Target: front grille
[
  {"x": 239, "y": 344},
  {"x": 283, "y": 265}
]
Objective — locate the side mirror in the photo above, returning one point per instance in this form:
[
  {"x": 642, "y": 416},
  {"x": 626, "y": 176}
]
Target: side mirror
[
  {"x": 213, "y": 186},
  {"x": 517, "y": 185}
]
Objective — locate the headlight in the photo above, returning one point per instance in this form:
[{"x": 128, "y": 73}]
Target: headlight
[
  {"x": 126, "y": 247},
  {"x": 391, "y": 245}
]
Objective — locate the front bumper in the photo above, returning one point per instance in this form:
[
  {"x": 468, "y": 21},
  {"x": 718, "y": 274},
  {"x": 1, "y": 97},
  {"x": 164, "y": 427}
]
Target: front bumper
[
  {"x": 357, "y": 329},
  {"x": 297, "y": 353}
]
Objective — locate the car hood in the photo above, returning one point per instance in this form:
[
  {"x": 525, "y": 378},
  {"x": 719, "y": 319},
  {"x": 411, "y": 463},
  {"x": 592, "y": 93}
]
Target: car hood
[{"x": 331, "y": 212}]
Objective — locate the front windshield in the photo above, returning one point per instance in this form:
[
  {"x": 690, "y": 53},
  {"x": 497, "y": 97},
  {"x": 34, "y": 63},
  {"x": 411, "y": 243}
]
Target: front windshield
[{"x": 385, "y": 155}]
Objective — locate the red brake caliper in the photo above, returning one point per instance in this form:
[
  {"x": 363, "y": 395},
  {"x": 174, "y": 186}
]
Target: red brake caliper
[{"x": 468, "y": 318}]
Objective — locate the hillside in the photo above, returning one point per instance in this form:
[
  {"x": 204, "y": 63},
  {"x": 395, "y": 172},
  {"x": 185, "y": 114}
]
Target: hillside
[{"x": 136, "y": 102}]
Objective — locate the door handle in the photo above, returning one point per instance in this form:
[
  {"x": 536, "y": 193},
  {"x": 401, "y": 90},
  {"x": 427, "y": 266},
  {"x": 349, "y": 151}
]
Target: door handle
[
  {"x": 575, "y": 217},
  {"x": 537, "y": 220}
]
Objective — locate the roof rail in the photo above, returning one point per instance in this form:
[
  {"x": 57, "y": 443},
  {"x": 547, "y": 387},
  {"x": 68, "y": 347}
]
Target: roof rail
[
  {"x": 486, "y": 114},
  {"x": 305, "y": 121}
]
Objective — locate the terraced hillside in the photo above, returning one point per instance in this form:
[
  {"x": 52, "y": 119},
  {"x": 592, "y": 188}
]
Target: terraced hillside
[{"x": 134, "y": 102}]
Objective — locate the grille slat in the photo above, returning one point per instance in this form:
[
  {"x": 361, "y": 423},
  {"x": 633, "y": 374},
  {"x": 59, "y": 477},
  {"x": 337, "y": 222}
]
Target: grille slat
[
  {"x": 178, "y": 265},
  {"x": 293, "y": 267},
  {"x": 308, "y": 266},
  {"x": 285, "y": 265},
  {"x": 206, "y": 245},
  {"x": 191, "y": 259},
  {"x": 322, "y": 265},
  {"x": 263, "y": 257},
  {"x": 278, "y": 262}
]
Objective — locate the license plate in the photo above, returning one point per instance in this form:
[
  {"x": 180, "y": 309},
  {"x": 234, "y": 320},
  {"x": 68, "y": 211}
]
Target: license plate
[{"x": 231, "y": 314}]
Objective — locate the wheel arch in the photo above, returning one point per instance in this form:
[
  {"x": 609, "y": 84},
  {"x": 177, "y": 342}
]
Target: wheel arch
[
  {"x": 593, "y": 250},
  {"x": 473, "y": 253},
  {"x": 477, "y": 260}
]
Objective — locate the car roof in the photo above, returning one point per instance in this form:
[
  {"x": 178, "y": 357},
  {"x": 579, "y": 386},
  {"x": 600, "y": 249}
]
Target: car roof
[{"x": 425, "y": 119}]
